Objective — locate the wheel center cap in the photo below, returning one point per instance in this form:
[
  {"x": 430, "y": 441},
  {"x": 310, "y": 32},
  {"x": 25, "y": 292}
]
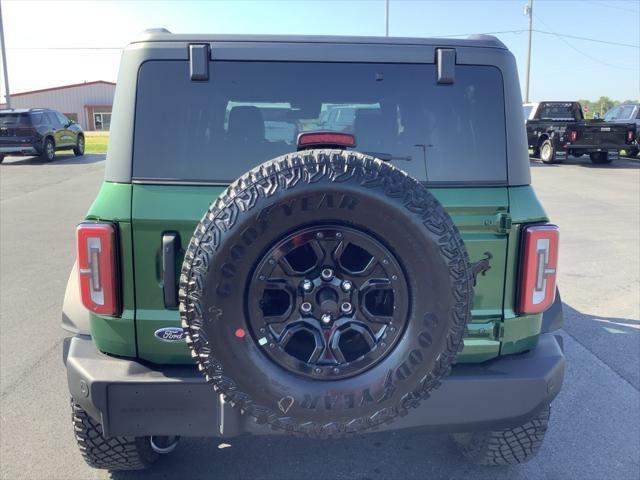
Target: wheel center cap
[{"x": 327, "y": 299}]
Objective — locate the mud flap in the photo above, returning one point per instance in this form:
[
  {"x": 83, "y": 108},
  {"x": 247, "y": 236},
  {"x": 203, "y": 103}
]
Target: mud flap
[{"x": 560, "y": 156}]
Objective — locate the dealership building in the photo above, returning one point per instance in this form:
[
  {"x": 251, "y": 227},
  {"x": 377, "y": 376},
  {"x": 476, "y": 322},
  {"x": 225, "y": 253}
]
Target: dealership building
[{"x": 89, "y": 104}]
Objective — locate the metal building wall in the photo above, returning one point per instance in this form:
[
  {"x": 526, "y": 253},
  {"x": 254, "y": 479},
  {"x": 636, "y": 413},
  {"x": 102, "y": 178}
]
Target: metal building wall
[{"x": 71, "y": 99}]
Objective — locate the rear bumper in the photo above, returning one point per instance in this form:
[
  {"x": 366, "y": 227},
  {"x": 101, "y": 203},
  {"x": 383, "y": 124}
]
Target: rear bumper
[
  {"x": 131, "y": 398},
  {"x": 598, "y": 148},
  {"x": 18, "y": 150}
]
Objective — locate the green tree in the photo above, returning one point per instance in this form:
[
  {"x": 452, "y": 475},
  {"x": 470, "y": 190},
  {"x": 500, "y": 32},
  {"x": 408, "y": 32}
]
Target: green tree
[{"x": 603, "y": 104}]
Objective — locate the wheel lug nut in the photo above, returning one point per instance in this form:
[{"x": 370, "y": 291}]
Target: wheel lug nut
[
  {"x": 346, "y": 307},
  {"x": 347, "y": 286},
  {"x": 327, "y": 274},
  {"x": 326, "y": 318},
  {"x": 305, "y": 307},
  {"x": 307, "y": 285}
]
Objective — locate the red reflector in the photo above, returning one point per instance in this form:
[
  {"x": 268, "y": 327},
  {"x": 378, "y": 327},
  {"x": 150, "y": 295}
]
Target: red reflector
[
  {"x": 97, "y": 267},
  {"x": 326, "y": 138},
  {"x": 573, "y": 135},
  {"x": 539, "y": 268},
  {"x": 631, "y": 135}
]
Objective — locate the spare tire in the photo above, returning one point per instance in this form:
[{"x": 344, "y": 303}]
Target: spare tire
[{"x": 325, "y": 292}]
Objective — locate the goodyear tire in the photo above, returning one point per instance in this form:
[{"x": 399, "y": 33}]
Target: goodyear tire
[
  {"x": 113, "y": 453},
  {"x": 511, "y": 446},
  {"x": 326, "y": 228}
]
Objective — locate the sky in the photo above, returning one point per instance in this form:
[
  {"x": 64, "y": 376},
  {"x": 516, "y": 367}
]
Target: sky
[{"x": 58, "y": 42}]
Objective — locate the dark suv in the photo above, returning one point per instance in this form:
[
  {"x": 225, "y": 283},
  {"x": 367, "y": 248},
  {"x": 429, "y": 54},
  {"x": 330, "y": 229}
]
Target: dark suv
[
  {"x": 253, "y": 264},
  {"x": 38, "y": 131}
]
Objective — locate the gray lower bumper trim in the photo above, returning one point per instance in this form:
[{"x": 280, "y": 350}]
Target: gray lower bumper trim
[
  {"x": 18, "y": 150},
  {"x": 131, "y": 398}
]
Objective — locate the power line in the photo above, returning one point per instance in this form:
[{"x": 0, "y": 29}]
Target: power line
[
  {"x": 615, "y": 7},
  {"x": 592, "y": 58},
  {"x": 485, "y": 33},
  {"x": 586, "y": 39}
]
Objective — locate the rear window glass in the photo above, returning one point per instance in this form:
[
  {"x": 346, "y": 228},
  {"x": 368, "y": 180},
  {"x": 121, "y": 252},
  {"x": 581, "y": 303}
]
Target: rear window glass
[
  {"x": 559, "y": 111},
  {"x": 15, "y": 120},
  {"x": 620, "y": 113},
  {"x": 249, "y": 112}
]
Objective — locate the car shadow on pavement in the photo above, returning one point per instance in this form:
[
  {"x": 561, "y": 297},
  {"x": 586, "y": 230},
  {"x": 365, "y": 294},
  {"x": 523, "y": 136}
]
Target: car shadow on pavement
[
  {"x": 623, "y": 163},
  {"x": 406, "y": 455},
  {"x": 613, "y": 340},
  {"x": 61, "y": 159},
  {"x": 389, "y": 455}
]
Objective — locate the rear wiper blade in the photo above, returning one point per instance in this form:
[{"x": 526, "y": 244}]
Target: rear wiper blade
[{"x": 388, "y": 157}]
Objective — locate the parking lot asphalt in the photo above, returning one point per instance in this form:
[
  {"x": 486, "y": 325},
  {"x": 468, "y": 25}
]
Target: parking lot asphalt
[{"x": 595, "y": 426}]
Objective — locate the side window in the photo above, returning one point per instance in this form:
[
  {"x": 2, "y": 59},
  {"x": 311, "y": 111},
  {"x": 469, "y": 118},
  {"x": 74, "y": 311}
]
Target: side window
[
  {"x": 51, "y": 119},
  {"x": 62, "y": 119},
  {"x": 36, "y": 119},
  {"x": 612, "y": 114}
]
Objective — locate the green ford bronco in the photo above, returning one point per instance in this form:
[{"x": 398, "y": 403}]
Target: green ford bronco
[{"x": 316, "y": 236}]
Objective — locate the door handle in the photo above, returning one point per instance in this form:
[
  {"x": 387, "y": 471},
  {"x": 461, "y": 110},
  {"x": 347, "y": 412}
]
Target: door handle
[{"x": 170, "y": 247}]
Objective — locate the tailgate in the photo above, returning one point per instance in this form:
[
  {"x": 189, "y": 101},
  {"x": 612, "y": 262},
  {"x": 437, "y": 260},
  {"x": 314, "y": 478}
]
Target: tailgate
[
  {"x": 481, "y": 215},
  {"x": 604, "y": 135}
]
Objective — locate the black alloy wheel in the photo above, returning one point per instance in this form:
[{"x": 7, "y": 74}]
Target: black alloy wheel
[{"x": 328, "y": 302}]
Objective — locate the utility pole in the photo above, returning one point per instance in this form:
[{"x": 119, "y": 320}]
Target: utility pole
[
  {"x": 4, "y": 60},
  {"x": 528, "y": 10},
  {"x": 386, "y": 18}
]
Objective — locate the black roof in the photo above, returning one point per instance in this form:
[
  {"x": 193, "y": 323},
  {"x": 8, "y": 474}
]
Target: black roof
[
  {"x": 163, "y": 35},
  {"x": 22, "y": 110}
]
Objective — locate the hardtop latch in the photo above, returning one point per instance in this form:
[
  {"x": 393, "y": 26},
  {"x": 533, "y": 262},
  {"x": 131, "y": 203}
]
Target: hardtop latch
[
  {"x": 446, "y": 65},
  {"x": 199, "y": 62}
]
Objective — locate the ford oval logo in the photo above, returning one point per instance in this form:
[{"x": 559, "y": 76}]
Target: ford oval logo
[{"x": 170, "y": 334}]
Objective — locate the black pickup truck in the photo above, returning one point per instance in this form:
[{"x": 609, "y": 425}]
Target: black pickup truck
[
  {"x": 558, "y": 129},
  {"x": 626, "y": 113}
]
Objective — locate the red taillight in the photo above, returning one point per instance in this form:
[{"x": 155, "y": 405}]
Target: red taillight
[
  {"x": 631, "y": 135},
  {"x": 326, "y": 139},
  {"x": 97, "y": 267},
  {"x": 539, "y": 268},
  {"x": 573, "y": 135}
]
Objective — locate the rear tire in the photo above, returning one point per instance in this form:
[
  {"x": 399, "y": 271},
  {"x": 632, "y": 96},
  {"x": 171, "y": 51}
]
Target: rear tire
[
  {"x": 48, "y": 151},
  {"x": 113, "y": 453},
  {"x": 600, "y": 158},
  {"x": 547, "y": 152},
  {"x": 313, "y": 198},
  {"x": 631, "y": 152},
  {"x": 78, "y": 150},
  {"x": 511, "y": 446}
]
